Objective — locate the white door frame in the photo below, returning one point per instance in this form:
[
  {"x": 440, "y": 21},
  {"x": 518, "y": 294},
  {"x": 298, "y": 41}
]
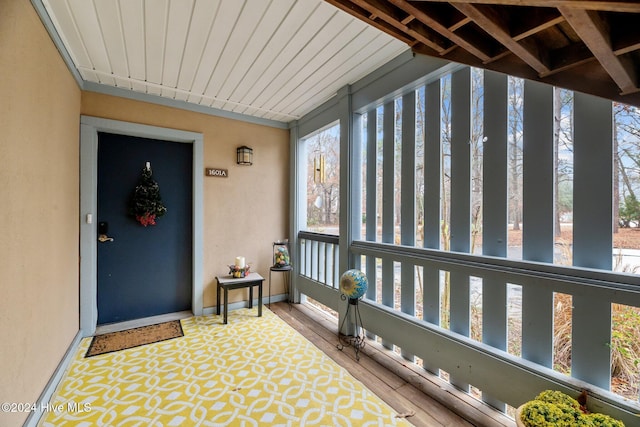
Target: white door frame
[{"x": 89, "y": 128}]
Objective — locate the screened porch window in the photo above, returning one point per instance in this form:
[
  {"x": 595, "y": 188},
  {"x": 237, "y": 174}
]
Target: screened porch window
[
  {"x": 323, "y": 180},
  {"x": 440, "y": 172}
]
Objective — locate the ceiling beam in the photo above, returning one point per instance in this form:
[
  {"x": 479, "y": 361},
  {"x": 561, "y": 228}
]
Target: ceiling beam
[
  {"x": 604, "y": 5},
  {"x": 594, "y": 33},
  {"x": 426, "y": 19},
  {"x": 576, "y": 44},
  {"x": 384, "y": 11},
  {"x": 353, "y": 10},
  {"x": 540, "y": 27},
  {"x": 490, "y": 22}
]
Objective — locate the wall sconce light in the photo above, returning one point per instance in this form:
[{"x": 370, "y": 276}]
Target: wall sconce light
[
  {"x": 245, "y": 155},
  {"x": 318, "y": 169}
]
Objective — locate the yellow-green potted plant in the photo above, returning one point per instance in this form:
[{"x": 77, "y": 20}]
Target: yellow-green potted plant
[{"x": 556, "y": 409}]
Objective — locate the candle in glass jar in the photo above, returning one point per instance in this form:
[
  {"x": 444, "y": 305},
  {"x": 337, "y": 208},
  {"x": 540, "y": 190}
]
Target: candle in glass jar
[{"x": 240, "y": 262}]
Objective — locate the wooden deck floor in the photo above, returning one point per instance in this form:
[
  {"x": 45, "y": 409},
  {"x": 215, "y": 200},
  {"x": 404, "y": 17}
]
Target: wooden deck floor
[{"x": 405, "y": 387}]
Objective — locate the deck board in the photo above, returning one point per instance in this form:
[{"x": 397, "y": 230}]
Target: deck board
[{"x": 404, "y": 386}]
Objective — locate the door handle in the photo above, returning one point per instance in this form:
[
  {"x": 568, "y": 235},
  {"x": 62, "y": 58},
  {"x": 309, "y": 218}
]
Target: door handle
[{"x": 103, "y": 229}]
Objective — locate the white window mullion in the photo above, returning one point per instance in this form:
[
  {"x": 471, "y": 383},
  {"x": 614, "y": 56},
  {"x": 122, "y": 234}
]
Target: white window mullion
[
  {"x": 537, "y": 214},
  {"x": 460, "y": 201},
  {"x": 592, "y": 235},
  {"x": 494, "y": 205}
]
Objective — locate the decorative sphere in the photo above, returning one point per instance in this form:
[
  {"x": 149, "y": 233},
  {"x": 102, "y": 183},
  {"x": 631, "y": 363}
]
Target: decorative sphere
[{"x": 353, "y": 283}]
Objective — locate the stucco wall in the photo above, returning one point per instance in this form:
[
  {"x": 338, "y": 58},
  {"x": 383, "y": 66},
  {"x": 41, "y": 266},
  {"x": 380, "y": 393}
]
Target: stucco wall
[
  {"x": 39, "y": 110},
  {"x": 244, "y": 213}
]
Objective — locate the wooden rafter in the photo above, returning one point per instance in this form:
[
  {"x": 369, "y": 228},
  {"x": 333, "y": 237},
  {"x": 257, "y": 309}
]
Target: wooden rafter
[
  {"x": 543, "y": 26},
  {"x": 592, "y": 46},
  {"x": 593, "y": 32},
  {"x": 440, "y": 28},
  {"x": 490, "y": 22},
  {"x": 605, "y": 5},
  {"x": 348, "y": 7},
  {"x": 383, "y": 10}
]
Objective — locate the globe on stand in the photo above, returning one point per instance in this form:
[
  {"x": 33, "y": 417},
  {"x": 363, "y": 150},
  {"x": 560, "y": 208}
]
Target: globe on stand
[{"x": 353, "y": 284}]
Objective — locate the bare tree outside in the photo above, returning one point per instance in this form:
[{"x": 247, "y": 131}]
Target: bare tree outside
[
  {"x": 563, "y": 157},
  {"x": 397, "y": 169},
  {"x": 323, "y": 181},
  {"x": 445, "y": 197},
  {"x": 627, "y": 163},
  {"x": 419, "y": 186},
  {"x": 476, "y": 145},
  {"x": 514, "y": 141}
]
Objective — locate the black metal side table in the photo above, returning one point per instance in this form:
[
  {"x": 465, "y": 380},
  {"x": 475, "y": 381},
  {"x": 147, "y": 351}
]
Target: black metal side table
[
  {"x": 226, "y": 283},
  {"x": 287, "y": 276}
]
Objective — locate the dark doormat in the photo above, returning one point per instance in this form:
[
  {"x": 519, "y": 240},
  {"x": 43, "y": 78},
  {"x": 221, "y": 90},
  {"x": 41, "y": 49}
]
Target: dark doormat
[{"x": 116, "y": 341}]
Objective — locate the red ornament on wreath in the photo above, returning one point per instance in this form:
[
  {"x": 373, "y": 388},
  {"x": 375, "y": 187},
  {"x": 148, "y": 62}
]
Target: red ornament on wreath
[
  {"x": 146, "y": 204},
  {"x": 146, "y": 219}
]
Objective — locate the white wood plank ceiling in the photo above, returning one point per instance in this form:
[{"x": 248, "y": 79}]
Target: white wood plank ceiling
[{"x": 272, "y": 59}]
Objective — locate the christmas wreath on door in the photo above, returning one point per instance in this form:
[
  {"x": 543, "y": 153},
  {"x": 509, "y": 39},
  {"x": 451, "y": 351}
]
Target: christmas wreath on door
[{"x": 146, "y": 204}]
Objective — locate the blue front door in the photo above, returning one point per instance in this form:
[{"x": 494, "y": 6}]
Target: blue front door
[{"x": 143, "y": 271}]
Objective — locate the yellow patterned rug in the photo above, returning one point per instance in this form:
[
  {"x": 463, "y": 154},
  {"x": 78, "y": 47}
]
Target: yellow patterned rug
[{"x": 251, "y": 372}]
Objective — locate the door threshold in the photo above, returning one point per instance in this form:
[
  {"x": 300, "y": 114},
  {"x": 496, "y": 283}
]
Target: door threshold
[{"x": 146, "y": 321}]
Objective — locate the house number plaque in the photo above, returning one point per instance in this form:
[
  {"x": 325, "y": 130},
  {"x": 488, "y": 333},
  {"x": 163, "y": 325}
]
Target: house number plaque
[{"x": 220, "y": 173}]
